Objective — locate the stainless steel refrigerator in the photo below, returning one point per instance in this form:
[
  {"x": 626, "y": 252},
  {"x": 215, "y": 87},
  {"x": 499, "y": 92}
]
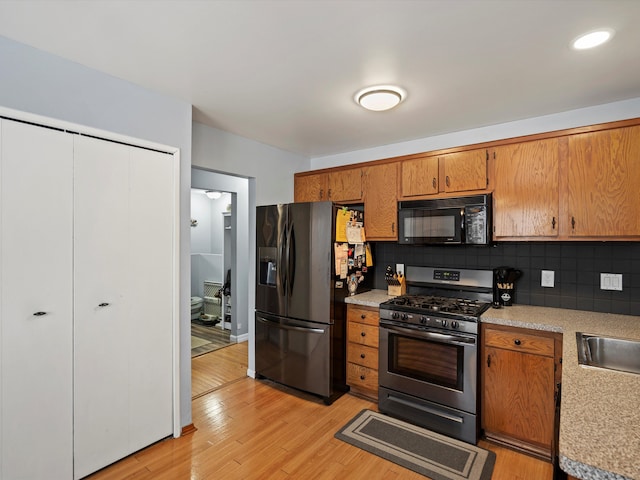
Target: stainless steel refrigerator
[{"x": 300, "y": 310}]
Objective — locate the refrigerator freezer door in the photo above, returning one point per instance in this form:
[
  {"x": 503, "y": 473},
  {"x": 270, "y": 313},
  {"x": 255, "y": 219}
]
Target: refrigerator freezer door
[
  {"x": 271, "y": 282},
  {"x": 294, "y": 353},
  {"x": 308, "y": 256}
]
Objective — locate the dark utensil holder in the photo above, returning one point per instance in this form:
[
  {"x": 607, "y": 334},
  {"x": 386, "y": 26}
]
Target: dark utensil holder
[{"x": 505, "y": 296}]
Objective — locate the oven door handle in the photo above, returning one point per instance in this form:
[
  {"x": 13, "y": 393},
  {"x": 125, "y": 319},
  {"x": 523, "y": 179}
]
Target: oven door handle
[{"x": 441, "y": 337}]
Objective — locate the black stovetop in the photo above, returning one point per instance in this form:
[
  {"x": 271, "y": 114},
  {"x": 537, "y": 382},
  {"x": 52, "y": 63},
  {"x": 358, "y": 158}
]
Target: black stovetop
[{"x": 434, "y": 304}]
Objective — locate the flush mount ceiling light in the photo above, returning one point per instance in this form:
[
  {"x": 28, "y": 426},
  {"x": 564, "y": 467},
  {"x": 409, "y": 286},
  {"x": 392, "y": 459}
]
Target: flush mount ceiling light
[
  {"x": 380, "y": 97},
  {"x": 212, "y": 194},
  {"x": 592, "y": 39}
]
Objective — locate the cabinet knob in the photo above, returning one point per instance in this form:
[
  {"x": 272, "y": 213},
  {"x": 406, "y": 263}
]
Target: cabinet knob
[
  {"x": 362, "y": 355},
  {"x": 363, "y": 334},
  {"x": 517, "y": 341},
  {"x": 448, "y": 183},
  {"x": 363, "y": 316},
  {"x": 434, "y": 182},
  {"x": 39, "y": 314},
  {"x": 573, "y": 223},
  {"x": 361, "y": 377},
  {"x": 553, "y": 223}
]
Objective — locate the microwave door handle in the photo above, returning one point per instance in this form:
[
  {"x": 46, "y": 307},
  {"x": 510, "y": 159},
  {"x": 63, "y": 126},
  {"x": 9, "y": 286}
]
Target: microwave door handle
[{"x": 441, "y": 337}]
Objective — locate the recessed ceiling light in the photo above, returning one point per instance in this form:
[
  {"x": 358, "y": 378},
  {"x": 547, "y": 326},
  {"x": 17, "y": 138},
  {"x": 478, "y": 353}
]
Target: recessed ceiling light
[
  {"x": 380, "y": 97},
  {"x": 593, "y": 39}
]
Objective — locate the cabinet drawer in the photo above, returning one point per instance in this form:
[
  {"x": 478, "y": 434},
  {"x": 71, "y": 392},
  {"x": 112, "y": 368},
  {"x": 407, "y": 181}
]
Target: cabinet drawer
[
  {"x": 362, "y": 377},
  {"x": 363, "y": 315},
  {"x": 362, "y": 334},
  {"x": 519, "y": 341},
  {"x": 362, "y": 355}
]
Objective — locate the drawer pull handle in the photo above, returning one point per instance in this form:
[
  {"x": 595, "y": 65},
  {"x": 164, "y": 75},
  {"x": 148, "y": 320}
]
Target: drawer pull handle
[
  {"x": 361, "y": 377},
  {"x": 362, "y": 355},
  {"x": 363, "y": 334},
  {"x": 103, "y": 305},
  {"x": 39, "y": 314},
  {"x": 517, "y": 341}
]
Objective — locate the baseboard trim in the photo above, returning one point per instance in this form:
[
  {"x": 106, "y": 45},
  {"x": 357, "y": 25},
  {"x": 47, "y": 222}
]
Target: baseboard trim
[
  {"x": 239, "y": 338},
  {"x": 188, "y": 429}
]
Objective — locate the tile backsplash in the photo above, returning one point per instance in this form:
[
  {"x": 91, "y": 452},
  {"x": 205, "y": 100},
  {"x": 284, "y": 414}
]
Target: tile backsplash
[{"x": 577, "y": 267}]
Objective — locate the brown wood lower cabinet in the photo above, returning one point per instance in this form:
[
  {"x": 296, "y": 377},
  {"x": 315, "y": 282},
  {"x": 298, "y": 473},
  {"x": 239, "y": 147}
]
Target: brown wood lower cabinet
[
  {"x": 520, "y": 371},
  {"x": 362, "y": 350}
]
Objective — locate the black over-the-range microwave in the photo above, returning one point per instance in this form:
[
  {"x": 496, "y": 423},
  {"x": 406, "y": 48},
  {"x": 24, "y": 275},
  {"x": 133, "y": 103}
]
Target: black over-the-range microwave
[{"x": 456, "y": 221}]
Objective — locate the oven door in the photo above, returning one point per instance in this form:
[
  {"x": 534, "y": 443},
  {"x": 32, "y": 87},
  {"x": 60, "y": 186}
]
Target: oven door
[{"x": 431, "y": 365}]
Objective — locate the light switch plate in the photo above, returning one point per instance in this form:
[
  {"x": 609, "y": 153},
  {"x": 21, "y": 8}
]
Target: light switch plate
[
  {"x": 611, "y": 281},
  {"x": 400, "y": 268},
  {"x": 547, "y": 279}
]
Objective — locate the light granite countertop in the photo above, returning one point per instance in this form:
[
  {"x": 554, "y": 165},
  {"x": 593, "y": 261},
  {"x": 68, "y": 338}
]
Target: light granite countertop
[
  {"x": 372, "y": 298},
  {"x": 600, "y": 409}
]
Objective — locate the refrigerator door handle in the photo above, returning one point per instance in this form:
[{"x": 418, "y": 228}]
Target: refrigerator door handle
[
  {"x": 291, "y": 257},
  {"x": 286, "y": 326},
  {"x": 282, "y": 274}
]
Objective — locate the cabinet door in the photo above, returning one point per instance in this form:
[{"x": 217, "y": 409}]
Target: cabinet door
[
  {"x": 603, "y": 174},
  {"x": 380, "y": 201},
  {"x": 465, "y": 170},
  {"x": 525, "y": 196},
  {"x": 311, "y": 188},
  {"x": 123, "y": 301},
  {"x": 518, "y": 396},
  {"x": 419, "y": 177},
  {"x": 345, "y": 185},
  {"x": 36, "y": 288}
]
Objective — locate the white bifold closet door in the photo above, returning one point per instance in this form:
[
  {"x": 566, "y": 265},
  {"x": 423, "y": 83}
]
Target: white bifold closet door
[
  {"x": 123, "y": 302},
  {"x": 36, "y": 301}
]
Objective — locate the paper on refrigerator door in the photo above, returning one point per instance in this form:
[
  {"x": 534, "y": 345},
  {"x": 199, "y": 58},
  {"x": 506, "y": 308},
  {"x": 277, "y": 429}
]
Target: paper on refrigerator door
[
  {"x": 355, "y": 233},
  {"x": 342, "y": 218},
  {"x": 341, "y": 254}
]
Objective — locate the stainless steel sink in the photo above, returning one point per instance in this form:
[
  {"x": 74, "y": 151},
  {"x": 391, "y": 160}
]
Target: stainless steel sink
[{"x": 613, "y": 353}]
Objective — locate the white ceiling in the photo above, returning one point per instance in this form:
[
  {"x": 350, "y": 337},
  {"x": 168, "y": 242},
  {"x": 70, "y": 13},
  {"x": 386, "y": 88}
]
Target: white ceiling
[{"x": 284, "y": 72}]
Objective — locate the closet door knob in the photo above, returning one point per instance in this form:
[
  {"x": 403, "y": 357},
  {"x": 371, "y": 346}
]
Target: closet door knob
[{"x": 103, "y": 305}]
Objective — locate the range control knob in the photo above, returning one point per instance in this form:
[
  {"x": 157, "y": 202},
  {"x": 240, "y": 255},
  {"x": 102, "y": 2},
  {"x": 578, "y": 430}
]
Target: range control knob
[
  {"x": 454, "y": 324},
  {"x": 405, "y": 316},
  {"x": 444, "y": 323},
  {"x": 423, "y": 320},
  {"x": 395, "y": 315}
]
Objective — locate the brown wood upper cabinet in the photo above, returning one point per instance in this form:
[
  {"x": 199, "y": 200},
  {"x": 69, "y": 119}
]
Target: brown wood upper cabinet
[
  {"x": 526, "y": 196},
  {"x": 577, "y": 186},
  {"x": 311, "y": 188},
  {"x": 380, "y": 201},
  {"x": 419, "y": 176},
  {"x": 602, "y": 184},
  {"x": 447, "y": 173},
  {"x": 463, "y": 171},
  {"x": 344, "y": 185}
]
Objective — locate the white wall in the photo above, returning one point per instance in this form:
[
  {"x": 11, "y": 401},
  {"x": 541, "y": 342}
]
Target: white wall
[
  {"x": 559, "y": 121},
  {"x": 272, "y": 168},
  {"x": 40, "y": 83}
]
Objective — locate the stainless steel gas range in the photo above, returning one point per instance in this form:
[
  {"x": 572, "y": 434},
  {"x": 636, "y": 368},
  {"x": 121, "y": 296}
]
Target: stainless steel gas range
[{"x": 428, "y": 353}]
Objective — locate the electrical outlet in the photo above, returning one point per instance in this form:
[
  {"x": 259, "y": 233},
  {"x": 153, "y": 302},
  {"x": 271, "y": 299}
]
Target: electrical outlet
[
  {"x": 611, "y": 281},
  {"x": 547, "y": 279},
  {"x": 400, "y": 268}
]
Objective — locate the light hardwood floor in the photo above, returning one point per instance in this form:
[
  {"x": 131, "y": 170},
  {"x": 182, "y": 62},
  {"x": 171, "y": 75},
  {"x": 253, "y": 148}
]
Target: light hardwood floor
[{"x": 249, "y": 429}]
